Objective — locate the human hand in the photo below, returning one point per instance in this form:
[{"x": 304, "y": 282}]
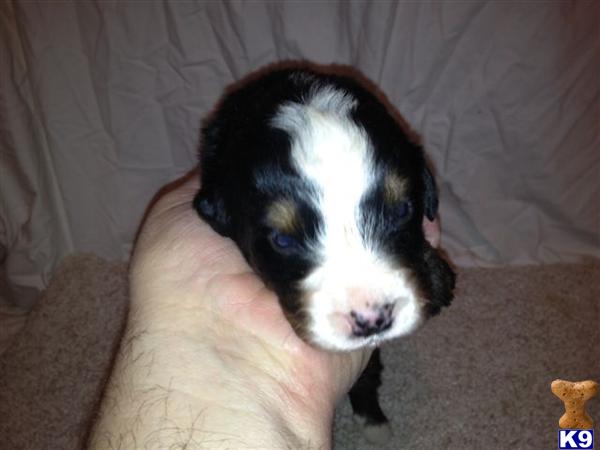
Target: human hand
[{"x": 210, "y": 343}]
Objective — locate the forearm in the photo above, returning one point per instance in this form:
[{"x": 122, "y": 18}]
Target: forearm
[{"x": 161, "y": 397}]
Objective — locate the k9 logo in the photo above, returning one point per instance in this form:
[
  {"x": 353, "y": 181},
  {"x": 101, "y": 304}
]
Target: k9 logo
[{"x": 568, "y": 439}]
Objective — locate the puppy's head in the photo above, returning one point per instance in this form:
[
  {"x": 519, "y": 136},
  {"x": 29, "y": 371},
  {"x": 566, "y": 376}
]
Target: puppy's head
[{"x": 330, "y": 203}]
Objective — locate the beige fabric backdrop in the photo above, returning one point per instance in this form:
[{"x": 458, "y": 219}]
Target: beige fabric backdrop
[{"x": 101, "y": 102}]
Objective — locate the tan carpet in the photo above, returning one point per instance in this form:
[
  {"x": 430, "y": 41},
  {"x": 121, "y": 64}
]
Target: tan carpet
[
  {"x": 52, "y": 374},
  {"x": 478, "y": 376}
]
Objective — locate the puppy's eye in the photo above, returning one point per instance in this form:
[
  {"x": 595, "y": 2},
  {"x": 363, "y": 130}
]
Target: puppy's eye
[
  {"x": 403, "y": 209},
  {"x": 283, "y": 241}
]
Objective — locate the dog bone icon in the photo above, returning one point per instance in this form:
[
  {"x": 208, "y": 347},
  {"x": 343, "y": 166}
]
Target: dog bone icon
[{"x": 574, "y": 395}]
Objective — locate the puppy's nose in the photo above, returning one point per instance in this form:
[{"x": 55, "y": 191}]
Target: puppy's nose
[{"x": 369, "y": 321}]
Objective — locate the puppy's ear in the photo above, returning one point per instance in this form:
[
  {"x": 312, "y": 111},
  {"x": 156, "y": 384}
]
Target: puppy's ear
[
  {"x": 211, "y": 208},
  {"x": 430, "y": 194}
]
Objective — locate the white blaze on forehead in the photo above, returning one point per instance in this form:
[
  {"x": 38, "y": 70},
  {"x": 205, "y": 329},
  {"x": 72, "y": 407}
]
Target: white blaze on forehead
[{"x": 332, "y": 152}]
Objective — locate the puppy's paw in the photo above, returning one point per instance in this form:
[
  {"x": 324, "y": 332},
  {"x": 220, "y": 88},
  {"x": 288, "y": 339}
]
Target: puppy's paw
[
  {"x": 378, "y": 433},
  {"x": 375, "y": 432}
]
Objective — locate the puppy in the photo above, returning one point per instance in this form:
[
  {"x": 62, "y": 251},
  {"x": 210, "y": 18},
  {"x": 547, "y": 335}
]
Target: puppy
[{"x": 330, "y": 202}]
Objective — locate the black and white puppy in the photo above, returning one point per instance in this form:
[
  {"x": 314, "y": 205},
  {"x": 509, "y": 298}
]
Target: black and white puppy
[{"x": 327, "y": 197}]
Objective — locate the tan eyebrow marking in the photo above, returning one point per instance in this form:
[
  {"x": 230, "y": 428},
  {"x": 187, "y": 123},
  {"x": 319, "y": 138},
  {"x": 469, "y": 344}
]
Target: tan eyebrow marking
[
  {"x": 283, "y": 215},
  {"x": 394, "y": 188}
]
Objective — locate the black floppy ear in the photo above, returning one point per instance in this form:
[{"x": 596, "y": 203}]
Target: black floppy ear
[
  {"x": 211, "y": 208},
  {"x": 430, "y": 195}
]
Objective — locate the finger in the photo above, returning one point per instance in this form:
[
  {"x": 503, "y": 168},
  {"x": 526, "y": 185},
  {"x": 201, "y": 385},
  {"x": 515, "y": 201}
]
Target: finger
[{"x": 431, "y": 230}]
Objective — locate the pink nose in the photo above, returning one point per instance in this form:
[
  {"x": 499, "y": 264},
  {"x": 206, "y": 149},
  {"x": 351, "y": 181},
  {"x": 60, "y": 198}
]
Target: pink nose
[{"x": 368, "y": 321}]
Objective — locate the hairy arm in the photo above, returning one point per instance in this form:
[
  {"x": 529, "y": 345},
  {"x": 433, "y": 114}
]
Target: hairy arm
[{"x": 158, "y": 399}]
